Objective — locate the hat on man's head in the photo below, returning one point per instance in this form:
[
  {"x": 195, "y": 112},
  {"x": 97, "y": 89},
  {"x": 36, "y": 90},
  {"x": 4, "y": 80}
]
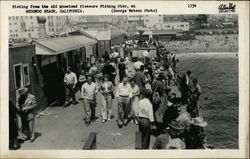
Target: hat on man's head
[
  {"x": 22, "y": 90},
  {"x": 175, "y": 125},
  {"x": 169, "y": 104},
  {"x": 198, "y": 121}
]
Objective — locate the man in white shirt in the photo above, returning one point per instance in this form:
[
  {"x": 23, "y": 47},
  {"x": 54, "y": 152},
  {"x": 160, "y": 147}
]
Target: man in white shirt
[
  {"x": 146, "y": 117},
  {"x": 88, "y": 93},
  {"x": 137, "y": 64},
  {"x": 124, "y": 95},
  {"x": 70, "y": 81}
]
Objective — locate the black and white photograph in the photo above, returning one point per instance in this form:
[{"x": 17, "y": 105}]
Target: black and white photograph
[
  {"x": 139, "y": 79},
  {"x": 123, "y": 82}
]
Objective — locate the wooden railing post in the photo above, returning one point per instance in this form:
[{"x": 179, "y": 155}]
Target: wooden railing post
[
  {"x": 138, "y": 140},
  {"x": 91, "y": 142}
]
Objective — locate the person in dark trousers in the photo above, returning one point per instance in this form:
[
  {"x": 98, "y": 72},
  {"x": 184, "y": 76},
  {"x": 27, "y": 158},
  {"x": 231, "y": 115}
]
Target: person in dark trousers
[
  {"x": 13, "y": 133},
  {"x": 185, "y": 87},
  {"x": 70, "y": 81},
  {"x": 109, "y": 70},
  {"x": 122, "y": 69},
  {"x": 195, "y": 92},
  {"x": 106, "y": 56},
  {"x": 140, "y": 78},
  {"x": 146, "y": 118}
]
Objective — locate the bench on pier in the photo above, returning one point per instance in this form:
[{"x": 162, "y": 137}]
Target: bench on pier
[{"x": 91, "y": 142}]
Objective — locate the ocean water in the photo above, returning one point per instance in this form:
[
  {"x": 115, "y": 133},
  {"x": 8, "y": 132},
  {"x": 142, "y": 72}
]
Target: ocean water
[{"x": 218, "y": 77}]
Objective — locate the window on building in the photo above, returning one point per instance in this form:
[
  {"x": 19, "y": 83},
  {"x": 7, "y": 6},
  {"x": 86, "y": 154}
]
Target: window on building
[
  {"x": 10, "y": 30},
  {"x": 29, "y": 35},
  {"x": 182, "y": 25},
  {"x": 15, "y": 30},
  {"x": 13, "y": 18},
  {"x": 52, "y": 29},
  {"x": 10, "y": 23},
  {"x": 186, "y": 25},
  {"x": 9, "y": 18},
  {"x": 159, "y": 15},
  {"x": 26, "y": 17},
  {"x": 26, "y": 75},
  {"x": 31, "y": 17},
  {"x": 16, "y": 17},
  {"x": 22, "y": 17},
  {"x": 15, "y": 23},
  {"x": 18, "y": 75},
  {"x": 13, "y": 35},
  {"x": 17, "y": 35}
]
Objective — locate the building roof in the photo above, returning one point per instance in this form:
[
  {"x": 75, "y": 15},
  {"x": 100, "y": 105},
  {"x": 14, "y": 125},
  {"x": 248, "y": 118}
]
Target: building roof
[
  {"x": 54, "y": 46},
  {"x": 100, "y": 34},
  {"x": 165, "y": 31},
  {"x": 115, "y": 33},
  {"x": 16, "y": 45}
]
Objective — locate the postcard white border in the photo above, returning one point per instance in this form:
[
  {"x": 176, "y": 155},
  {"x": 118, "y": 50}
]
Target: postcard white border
[{"x": 164, "y": 7}]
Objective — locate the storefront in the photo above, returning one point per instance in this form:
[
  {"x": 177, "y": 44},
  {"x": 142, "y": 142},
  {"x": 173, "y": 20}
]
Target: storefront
[
  {"x": 54, "y": 56},
  {"x": 24, "y": 72}
]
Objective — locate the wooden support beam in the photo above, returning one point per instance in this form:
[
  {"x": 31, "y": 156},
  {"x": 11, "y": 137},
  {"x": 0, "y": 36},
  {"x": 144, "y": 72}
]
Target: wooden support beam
[
  {"x": 138, "y": 140},
  {"x": 91, "y": 142}
]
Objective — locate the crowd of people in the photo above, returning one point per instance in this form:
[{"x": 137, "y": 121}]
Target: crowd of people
[{"x": 145, "y": 95}]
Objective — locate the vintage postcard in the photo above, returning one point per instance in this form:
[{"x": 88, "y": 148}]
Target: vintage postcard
[{"x": 124, "y": 79}]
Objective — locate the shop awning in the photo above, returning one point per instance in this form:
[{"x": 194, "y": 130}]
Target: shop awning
[{"x": 54, "y": 46}]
